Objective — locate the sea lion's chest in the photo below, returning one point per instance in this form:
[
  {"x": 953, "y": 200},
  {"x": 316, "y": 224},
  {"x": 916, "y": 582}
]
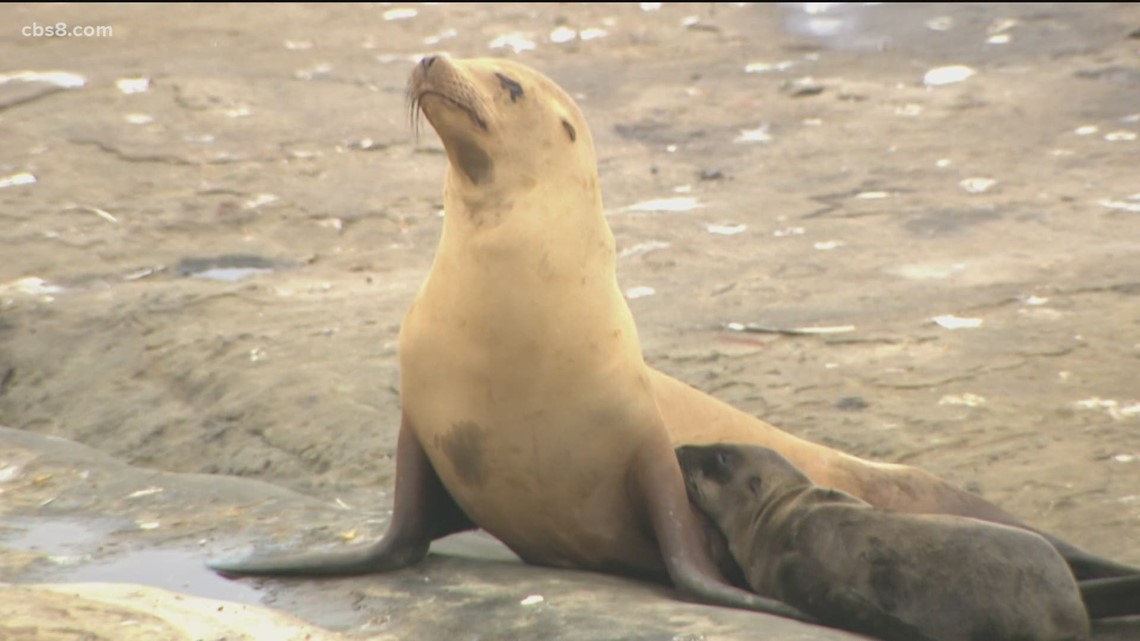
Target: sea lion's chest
[{"x": 530, "y": 422}]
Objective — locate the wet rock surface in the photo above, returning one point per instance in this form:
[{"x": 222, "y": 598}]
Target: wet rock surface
[
  {"x": 909, "y": 232},
  {"x": 93, "y": 527}
]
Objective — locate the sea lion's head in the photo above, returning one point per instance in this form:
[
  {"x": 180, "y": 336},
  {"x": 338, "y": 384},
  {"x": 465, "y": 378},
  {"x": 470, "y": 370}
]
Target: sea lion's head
[
  {"x": 725, "y": 480},
  {"x": 508, "y": 131}
]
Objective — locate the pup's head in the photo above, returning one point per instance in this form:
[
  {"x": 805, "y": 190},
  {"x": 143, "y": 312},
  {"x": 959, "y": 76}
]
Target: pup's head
[{"x": 725, "y": 479}]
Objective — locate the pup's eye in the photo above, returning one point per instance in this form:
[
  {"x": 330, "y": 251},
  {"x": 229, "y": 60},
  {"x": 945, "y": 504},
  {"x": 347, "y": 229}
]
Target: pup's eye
[
  {"x": 513, "y": 87},
  {"x": 570, "y": 130},
  {"x": 722, "y": 458}
]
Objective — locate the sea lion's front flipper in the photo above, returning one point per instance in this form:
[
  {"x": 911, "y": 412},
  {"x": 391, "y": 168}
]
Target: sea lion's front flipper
[
  {"x": 658, "y": 485},
  {"x": 423, "y": 512},
  {"x": 1111, "y": 597}
]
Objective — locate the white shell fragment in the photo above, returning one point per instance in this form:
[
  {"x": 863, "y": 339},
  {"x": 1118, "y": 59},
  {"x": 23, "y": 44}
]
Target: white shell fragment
[
  {"x": 948, "y": 75},
  {"x": 639, "y": 292},
  {"x": 533, "y": 599},
  {"x": 133, "y": 85},
  {"x": 563, "y": 34},
  {"x": 967, "y": 399},
  {"x": 1112, "y": 407},
  {"x": 61, "y": 79},
  {"x": 794, "y": 331},
  {"x": 516, "y": 42},
  {"x": 31, "y": 286},
  {"x": 940, "y": 23},
  {"x": 19, "y": 178},
  {"x": 1132, "y": 203},
  {"x": 402, "y": 13},
  {"x": 440, "y": 37},
  {"x": 789, "y": 231},
  {"x": 977, "y": 185},
  {"x": 726, "y": 230},
  {"x": 1120, "y": 136},
  {"x": 145, "y": 492},
  {"x": 768, "y": 67},
  {"x": 643, "y": 248},
  {"x": 950, "y": 321},
  {"x": 666, "y": 204},
  {"x": 759, "y": 134}
]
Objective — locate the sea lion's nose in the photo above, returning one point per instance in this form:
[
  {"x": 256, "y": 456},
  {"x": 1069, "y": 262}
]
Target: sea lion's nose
[{"x": 427, "y": 61}]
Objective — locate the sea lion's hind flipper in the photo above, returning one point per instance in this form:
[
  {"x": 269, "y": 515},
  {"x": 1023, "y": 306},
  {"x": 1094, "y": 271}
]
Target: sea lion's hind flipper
[
  {"x": 806, "y": 585},
  {"x": 423, "y": 511},
  {"x": 1086, "y": 565},
  {"x": 658, "y": 485},
  {"x": 1112, "y": 597}
]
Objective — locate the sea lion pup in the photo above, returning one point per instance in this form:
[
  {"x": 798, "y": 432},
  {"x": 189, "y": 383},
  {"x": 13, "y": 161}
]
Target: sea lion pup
[
  {"x": 895, "y": 576},
  {"x": 528, "y": 409}
]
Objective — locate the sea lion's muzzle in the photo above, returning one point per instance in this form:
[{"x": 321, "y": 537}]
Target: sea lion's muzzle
[{"x": 436, "y": 76}]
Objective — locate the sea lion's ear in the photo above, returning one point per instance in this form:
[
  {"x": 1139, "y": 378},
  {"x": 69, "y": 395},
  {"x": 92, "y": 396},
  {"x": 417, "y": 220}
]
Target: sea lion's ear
[{"x": 569, "y": 130}]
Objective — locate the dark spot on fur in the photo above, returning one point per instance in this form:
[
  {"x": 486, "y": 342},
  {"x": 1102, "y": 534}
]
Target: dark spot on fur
[
  {"x": 510, "y": 85},
  {"x": 474, "y": 162},
  {"x": 570, "y": 131},
  {"x": 886, "y": 580},
  {"x": 463, "y": 446}
]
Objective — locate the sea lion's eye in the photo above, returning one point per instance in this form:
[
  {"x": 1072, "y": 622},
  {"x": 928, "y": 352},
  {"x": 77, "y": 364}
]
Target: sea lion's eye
[
  {"x": 755, "y": 484},
  {"x": 721, "y": 466},
  {"x": 513, "y": 87},
  {"x": 722, "y": 458},
  {"x": 570, "y": 131}
]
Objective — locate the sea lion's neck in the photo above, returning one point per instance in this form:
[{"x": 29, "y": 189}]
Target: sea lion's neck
[
  {"x": 550, "y": 226},
  {"x": 527, "y": 277}
]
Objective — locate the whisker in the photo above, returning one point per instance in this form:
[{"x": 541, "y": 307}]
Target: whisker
[{"x": 413, "y": 102}]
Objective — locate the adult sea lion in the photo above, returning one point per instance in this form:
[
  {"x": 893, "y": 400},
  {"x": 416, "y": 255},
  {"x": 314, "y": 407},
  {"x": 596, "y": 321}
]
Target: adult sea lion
[
  {"x": 892, "y": 575},
  {"x": 528, "y": 409}
]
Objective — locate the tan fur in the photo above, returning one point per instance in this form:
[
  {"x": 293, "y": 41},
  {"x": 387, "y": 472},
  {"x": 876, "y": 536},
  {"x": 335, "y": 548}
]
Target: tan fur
[
  {"x": 522, "y": 373},
  {"x": 521, "y": 331}
]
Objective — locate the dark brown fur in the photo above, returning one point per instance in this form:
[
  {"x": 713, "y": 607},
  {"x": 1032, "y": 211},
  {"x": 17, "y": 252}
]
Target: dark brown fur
[{"x": 890, "y": 575}]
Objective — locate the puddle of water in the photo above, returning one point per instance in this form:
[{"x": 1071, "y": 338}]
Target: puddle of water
[
  {"x": 974, "y": 31},
  {"x": 839, "y": 24},
  {"x": 73, "y": 542},
  {"x": 56, "y": 538},
  {"x": 229, "y": 268},
  {"x": 229, "y": 274},
  {"x": 176, "y": 570}
]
